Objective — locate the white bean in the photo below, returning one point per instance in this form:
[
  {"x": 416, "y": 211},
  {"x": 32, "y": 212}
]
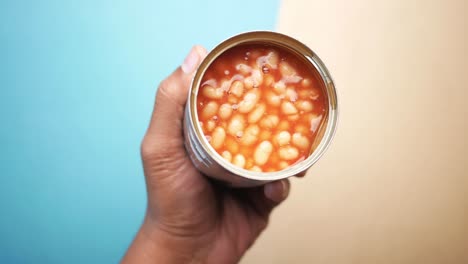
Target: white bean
[
  {"x": 231, "y": 145},
  {"x": 309, "y": 94},
  {"x": 283, "y": 138},
  {"x": 291, "y": 94},
  {"x": 283, "y": 165},
  {"x": 225, "y": 111},
  {"x": 249, "y": 82},
  {"x": 212, "y": 93},
  {"x": 237, "y": 88},
  {"x": 273, "y": 99},
  {"x": 257, "y": 78},
  {"x": 256, "y": 169},
  {"x": 227, "y": 155},
  {"x": 263, "y": 152},
  {"x": 269, "y": 121},
  {"x": 288, "y": 153},
  {"x": 288, "y": 108},
  {"x": 306, "y": 82},
  {"x": 286, "y": 69},
  {"x": 239, "y": 160},
  {"x": 293, "y": 117},
  {"x": 250, "y": 136},
  {"x": 305, "y": 106},
  {"x": 236, "y": 125},
  {"x": 217, "y": 137},
  {"x": 279, "y": 87},
  {"x": 210, "y": 125},
  {"x": 300, "y": 141},
  {"x": 301, "y": 129},
  {"x": 256, "y": 114},
  {"x": 268, "y": 80},
  {"x": 272, "y": 59},
  {"x": 250, "y": 100},
  {"x": 209, "y": 110},
  {"x": 243, "y": 68}
]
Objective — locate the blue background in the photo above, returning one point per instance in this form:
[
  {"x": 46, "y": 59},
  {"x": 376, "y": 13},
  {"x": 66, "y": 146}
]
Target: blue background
[{"x": 77, "y": 81}]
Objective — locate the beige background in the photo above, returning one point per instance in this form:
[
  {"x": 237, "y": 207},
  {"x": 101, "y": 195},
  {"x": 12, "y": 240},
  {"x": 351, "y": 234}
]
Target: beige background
[{"x": 393, "y": 187}]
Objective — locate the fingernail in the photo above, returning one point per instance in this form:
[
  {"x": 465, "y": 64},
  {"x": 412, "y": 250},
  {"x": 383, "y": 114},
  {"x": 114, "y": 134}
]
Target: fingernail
[{"x": 190, "y": 62}]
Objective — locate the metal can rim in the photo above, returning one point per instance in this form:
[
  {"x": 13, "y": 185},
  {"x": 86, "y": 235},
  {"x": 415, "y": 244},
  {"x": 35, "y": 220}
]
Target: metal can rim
[{"x": 291, "y": 44}]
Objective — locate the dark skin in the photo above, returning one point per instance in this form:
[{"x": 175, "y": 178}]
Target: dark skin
[{"x": 191, "y": 219}]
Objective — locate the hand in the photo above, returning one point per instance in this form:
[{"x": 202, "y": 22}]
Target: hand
[{"x": 189, "y": 218}]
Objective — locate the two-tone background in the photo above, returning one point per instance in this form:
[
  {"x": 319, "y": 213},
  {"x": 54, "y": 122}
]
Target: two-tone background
[{"x": 77, "y": 82}]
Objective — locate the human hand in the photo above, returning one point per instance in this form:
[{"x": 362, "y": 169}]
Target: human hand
[{"x": 189, "y": 218}]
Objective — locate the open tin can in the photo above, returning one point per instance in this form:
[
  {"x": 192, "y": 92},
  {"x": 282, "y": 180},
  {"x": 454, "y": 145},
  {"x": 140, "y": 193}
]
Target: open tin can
[{"x": 207, "y": 160}]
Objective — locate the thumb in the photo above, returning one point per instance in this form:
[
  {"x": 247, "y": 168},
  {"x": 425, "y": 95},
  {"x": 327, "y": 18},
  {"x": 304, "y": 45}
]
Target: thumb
[{"x": 166, "y": 121}]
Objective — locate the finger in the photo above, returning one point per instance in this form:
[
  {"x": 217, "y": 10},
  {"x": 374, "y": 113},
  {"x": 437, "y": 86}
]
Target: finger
[
  {"x": 277, "y": 191},
  {"x": 166, "y": 121},
  {"x": 301, "y": 175},
  {"x": 265, "y": 198}
]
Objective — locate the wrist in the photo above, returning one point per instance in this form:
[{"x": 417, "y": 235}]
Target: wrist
[{"x": 153, "y": 244}]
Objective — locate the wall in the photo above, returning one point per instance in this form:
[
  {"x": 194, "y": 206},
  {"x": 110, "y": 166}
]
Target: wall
[{"x": 393, "y": 187}]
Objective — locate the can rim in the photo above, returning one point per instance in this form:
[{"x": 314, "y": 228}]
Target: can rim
[{"x": 288, "y": 43}]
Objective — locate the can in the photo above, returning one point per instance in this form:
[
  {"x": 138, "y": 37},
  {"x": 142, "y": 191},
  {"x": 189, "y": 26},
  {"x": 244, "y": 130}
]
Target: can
[{"x": 209, "y": 162}]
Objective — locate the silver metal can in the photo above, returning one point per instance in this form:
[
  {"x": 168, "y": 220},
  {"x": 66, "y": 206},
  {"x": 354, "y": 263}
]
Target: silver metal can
[{"x": 209, "y": 162}]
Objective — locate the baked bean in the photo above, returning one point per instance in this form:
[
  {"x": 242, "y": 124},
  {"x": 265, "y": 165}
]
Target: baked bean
[
  {"x": 237, "y": 88},
  {"x": 288, "y": 108},
  {"x": 225, "y": 111},
  {"x": 301, "y": 129},
  {"x": 273, "y": 99},
  {"x": 256, "y": 169},
  {"x": 306, "y": 82},
  {"x": 227, "y": 155},
  {"x": 300, "y": 141},
  {"x": 308, "y": 94},
  {"x": 268, "y": 80},
  {"x": 250, "y": 100},
  {"x": 212, "y": 93},
  {"x": 231, "y": 145},
  {"x": 257, "y": 78},
  {"x": 263, "y": 152},
  {"x": 293, "y": 117},
  {"x": 243, "y": 68},
  {"x": 291, "y": 94},
  {"x": 209, "y": 110},
  {"x": 283, "y": 165},
  {"x": 210, "y": 125},
  {"x": 249, "y": 82},
  {"x": 305, "y": 106},
  {"x": 279, "y": 87},
  {"x": 250, "y": 136},
  {"x": 272, "y": 59},
  {"x": 256, "y": 114},
  {"x": 288, "y": 153},
  {"x": 217, "y": 137},
  {"x": 269, "y": 121},
  {"x": 236, "y": 125},
  {"x": 286, "y": 69},
  {"x": 239, "y": 160},
  {"x": 283, "y": 138}
]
